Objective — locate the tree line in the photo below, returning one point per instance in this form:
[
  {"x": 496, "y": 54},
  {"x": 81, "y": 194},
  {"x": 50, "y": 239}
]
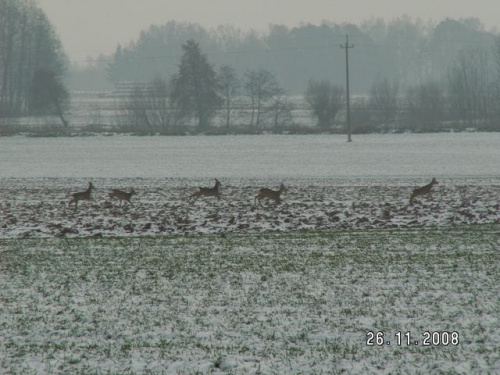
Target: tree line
[
  {"x": 32, "y": 62},
  {"x": 197, "y": 92},
  {"x": 468, "y": 96},
  {"x": 405, "y": 73},
  {"x": 403, "y": 49}
]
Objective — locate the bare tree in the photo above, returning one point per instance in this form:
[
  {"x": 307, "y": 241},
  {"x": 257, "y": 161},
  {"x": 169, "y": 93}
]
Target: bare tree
[
  {"x": 325, "y": 101},
  {"x": 470, "y": 86},
  {"x": 384, "y": 101},
  {"x": 496, "y": 81},
  {"x": 260, "y": 86},
  {"x": 133, "y": 113},
  {"x": 280, "y": 109},
  {"x": 426, "y": 105},
  {"x": 228, "y": 86},
  {"x": 160, "y": 111},
  {"x": 148, "y": 107}
]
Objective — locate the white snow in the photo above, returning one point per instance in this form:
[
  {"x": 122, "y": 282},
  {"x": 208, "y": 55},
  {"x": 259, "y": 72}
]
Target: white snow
[
  {"x": 162, "y": 286},
  {"x": 300, "y": 302},
  {"x": 271, "y": 157},
  {"x": 39, "y": 207}
]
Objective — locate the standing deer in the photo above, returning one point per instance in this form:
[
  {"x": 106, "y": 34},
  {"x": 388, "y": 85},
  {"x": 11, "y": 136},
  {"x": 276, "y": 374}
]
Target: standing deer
[
  {"x": 270, "y": 194},
  {"x": 206, "y": 192},
  {"x": 81, "y": 196},
  {"x": 122, "y": 195},
  {"x": 423, "y": 190}
]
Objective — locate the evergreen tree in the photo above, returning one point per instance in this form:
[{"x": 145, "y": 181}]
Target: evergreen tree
[{"x": 194, "y": 87}]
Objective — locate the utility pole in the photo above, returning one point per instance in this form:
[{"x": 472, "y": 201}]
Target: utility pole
[{"x": 346, "y": 47}]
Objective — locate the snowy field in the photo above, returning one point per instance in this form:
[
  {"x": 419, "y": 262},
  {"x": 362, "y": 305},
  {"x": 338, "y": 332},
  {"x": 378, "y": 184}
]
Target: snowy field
[
  {"x": 274, "y": 303},
  {"x": 270, "y": 157},
  {"x": 230, "y": 287},
  {"x": 38, "y": 208},
  {"x": 332, "y": 184}
]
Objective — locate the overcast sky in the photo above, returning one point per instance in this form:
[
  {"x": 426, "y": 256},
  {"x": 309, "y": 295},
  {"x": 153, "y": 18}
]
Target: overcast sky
[{"x": 90, "y": 27}]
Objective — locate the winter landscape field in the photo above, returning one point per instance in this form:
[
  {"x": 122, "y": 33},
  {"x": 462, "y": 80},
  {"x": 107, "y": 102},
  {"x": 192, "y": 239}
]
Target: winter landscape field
[{"x": 345, "y": 276}]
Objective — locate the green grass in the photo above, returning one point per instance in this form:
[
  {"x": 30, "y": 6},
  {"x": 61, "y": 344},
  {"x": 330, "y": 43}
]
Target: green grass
[{"x": 273, "y": 302}]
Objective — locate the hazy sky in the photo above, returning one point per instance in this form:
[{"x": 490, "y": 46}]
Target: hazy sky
[{"x": 90, "y": 27}]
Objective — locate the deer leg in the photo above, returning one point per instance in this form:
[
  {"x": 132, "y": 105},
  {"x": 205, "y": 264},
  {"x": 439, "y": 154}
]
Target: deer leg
[{"x": 411, "y": 198}]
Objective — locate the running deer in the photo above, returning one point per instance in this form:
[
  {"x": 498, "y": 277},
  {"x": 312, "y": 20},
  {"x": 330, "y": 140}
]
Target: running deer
[
  {"x": 81, "y": 196},
  {"x": 206, "y": 192},
  {"x": 122, "y": 195},
  {"x": 270, "y": 194},
  {"x": 424, "y": 190}
]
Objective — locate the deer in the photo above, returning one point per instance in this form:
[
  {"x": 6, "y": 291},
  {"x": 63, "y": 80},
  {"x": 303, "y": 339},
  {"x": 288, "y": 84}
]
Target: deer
[
  {"x": 122, "y": 195},
  {"x": 424, "y": 190},
  {"x": 81, "y": 196},
  {"x": 206, "y": 192},
  {"x": 270, "y": 194}
]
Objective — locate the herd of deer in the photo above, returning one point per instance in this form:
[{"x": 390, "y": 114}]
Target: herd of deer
[
  {"x": 264, "y": 193},
  {"x": 115, "y": 193}
]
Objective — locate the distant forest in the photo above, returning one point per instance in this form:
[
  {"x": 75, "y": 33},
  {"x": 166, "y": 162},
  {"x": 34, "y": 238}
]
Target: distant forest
[
  {"x": 405, "y": 51},
  {"x": 405, "y": 74}
]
